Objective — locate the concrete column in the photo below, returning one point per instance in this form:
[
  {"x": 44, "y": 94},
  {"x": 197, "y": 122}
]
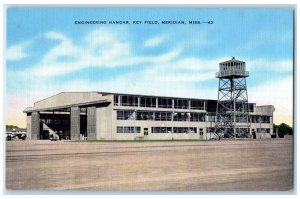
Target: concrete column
[
  {"x": 35, "y": 125},
  {"x": 173, "y": 102},
  {"x": 28, "y": 126},
  {"x": 119, "y": 100},
  {"x": 75, "y": 123},
  {"x": 91, "y": 123}
]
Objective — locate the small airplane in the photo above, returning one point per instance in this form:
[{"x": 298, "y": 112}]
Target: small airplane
[{"x": 15, "y": 135}]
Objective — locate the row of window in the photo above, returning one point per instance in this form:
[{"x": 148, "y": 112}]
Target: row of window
[
  {"x": 128, "y": 129},
  {"x": 127, "y": 100},
  {"x": 194, "y": 117},
  {"x": 243, "y": 119},
  {"x": 161, "y": 129},
  {"x": 175, "y": 130},
  {"x": 185, "y": 130},
  {"x": 159, "y": 116},
  {"x": 137, "y": 129},
  {"x": 232, "y": 64},
  {"x": 260, "y": 119}
]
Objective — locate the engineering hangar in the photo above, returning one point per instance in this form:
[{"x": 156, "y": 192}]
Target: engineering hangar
[{"x": 116, "y": 116}]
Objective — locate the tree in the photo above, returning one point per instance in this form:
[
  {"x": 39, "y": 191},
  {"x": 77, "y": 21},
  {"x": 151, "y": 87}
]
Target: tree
[
  {"x": 283, "y": 129},
  {"x": 11, "y": 127}
]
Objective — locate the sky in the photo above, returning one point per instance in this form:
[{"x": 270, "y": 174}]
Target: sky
[{"x": 47, "y": 53}]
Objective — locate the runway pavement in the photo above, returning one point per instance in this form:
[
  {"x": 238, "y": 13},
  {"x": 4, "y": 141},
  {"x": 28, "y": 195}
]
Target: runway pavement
[{"x": 232, "y": 165}]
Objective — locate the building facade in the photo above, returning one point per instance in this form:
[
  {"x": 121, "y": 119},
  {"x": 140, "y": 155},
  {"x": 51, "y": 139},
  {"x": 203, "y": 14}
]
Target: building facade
[{"x": 115, "y": 116}]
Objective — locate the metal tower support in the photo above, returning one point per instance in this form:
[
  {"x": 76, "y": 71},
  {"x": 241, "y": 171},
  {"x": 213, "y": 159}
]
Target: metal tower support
[{"x": 232, "y": 113}]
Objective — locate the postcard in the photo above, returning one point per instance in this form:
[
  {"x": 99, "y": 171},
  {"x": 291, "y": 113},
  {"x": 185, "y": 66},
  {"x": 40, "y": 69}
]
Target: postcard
[{"x": 128, "y": 99}]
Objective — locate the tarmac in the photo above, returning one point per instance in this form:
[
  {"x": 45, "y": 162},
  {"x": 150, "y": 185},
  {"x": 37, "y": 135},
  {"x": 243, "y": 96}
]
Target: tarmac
[{"x": 226, "y": 165}]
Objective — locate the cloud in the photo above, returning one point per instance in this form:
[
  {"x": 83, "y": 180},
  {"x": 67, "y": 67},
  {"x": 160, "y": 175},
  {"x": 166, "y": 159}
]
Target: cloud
[
  {"x": 154, "y": 41},
  {"x": 101, "y": 48},
  {"x": 56, "y": 36},
  {"x": 278, "y": 93},
  {"x": 17, "y": 52},
  {"x": 283, "y": 65}
]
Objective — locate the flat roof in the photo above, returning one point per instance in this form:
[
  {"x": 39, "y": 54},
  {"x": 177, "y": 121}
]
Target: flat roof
[
  {"x": 30, "y": 109},
  {"x": 140, "y": 95}
]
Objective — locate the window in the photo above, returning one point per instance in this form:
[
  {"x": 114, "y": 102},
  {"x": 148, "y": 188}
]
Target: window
[
  {"x": 181, "y": 104},
  {"x": 193, "y": 130},
  {"x": 119, "y": 129},
  {"x": 133, "y": 101},
  {"x": 126, "y": 115},
  {"x": 197, "y": 104},
  {"x": 157, "y": 116},
  {"x": 148, "y": 102},
  {"x": 155, "y": 130},
  {"x": 124, "y": 100},
  {"x": 128, "y": 100},
  {"x": 195, "y": 117},
  {"x": 210, "y": 118},
  {"x": 161, "y": 129},
  {"x": 128, "y": 129},
  {"x": 143, "y": 102},
  {"x": 201, "y": 117},
  {"x": 138, "y": 129},
  {"x": 169, "y": 116},
  {"x": 185, "y": 104},
  {"x": 144, "y": 115},
  {"x": 164, "y": 103},
  {"x": 251, "y": 109},
  {"x": 260, "y": 119},
  {"x": 116, "y": 100},
  {"x": 178, "y": 130},
  {"x": 120, "y": 115},
  {"x": 163, "y": 116},
  {"x": 181, "y": 116}
]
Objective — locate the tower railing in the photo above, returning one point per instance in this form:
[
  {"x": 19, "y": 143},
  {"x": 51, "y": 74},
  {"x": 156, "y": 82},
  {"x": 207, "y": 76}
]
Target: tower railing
[{"x": 232, "y": 72}]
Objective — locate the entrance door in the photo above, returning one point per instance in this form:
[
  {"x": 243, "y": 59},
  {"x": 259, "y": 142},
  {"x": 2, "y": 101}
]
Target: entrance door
[
  {"x": 145, "y": 131},
  {"x": 201, "y": 133},
  {"x": 253, "y": 134}
]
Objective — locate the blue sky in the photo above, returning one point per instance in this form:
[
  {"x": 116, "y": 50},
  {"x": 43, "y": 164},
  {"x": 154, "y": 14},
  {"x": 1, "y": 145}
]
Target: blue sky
[{"x": 46, "y": 53}]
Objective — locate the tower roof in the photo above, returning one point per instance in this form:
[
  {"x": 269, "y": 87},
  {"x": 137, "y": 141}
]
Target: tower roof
[{"x": 233, "y": 60}]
